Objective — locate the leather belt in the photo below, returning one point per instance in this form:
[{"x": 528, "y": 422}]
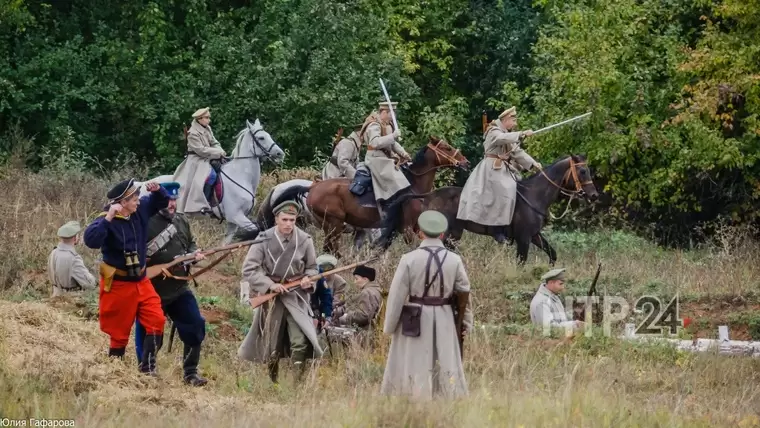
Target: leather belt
[
  {"x": 278, "y": 279},
  {"x": 430, "y": 301},
  {"x": 499, "y": 160}
]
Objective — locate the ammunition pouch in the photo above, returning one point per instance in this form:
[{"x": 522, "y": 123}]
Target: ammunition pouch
[{"x": 410, "y": 320}]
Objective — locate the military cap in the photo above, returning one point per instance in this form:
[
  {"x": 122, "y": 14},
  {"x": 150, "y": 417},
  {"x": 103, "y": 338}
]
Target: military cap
[
  {"x": 432, "y": 223},
  {"x": 327, "y": 259},
  {"x": 509, "y": 111},
  {"x": 558, "y": 274},
  {"x": 365, "y": 271},
  {"x": 383, "y": 105},
  {"x": 69, "y": 230},
  {"x": 288, "y": 207},
  {"x": 122, "y": 190},
  {"x": 172, "y": 189},
  {"x": 201, "y": 112}
]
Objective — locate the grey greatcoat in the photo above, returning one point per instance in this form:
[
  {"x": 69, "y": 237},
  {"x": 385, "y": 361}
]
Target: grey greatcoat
[
  {"x": 488, "y": 197},
  {"x": 271, "y": 256},
  {"x": 547, "y": 310},
  {"x": 411, "y": 360},
  {"x": 192, "y": 173},
  {"x": 387, "y": 180},
  {"x": 67, "y": 272},
  {"x": 345, "y": 155}
]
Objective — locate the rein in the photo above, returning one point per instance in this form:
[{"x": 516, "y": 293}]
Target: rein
[
  {"x": 572, "y": 194},
  {"x": 439, "y": 153}
]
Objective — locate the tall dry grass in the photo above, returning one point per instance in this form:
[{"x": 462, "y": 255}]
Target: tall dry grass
[{"x": 53, "y": 364}]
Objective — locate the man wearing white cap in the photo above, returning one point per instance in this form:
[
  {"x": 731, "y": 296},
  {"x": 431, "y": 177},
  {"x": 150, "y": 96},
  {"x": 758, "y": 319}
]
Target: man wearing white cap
[
  {"x": 488, "y": 197},
  {"x": 66, "y": 268},
  {"x": 195, "y": 173},
  {"x": 546, "y": 308}
]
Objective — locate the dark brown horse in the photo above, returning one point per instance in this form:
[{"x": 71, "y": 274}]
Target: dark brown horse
[
  {"x": 332, "y": 204},
  {"x": 569, "y": 176}
]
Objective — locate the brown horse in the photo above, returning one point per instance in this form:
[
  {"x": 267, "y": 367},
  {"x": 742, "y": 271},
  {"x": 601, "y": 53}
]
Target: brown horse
[
  {"x": 569, "y": 176},
  {"x": 332, "y": 204}
]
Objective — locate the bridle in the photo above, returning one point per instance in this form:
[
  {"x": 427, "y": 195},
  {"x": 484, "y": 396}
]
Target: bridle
[
  {"x": 439, "y": 153},
  {"x": 571, "y": 172},
  {"x": 267, "y": 152}
]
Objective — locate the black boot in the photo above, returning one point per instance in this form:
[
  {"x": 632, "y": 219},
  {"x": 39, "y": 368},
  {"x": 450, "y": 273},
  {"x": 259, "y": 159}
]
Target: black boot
[
  {"x": 151, "y": 346},
  {"x": 116, "y": 352},
  {"x": 191, "y": 356},
  {"x": 500, "y": 234},
  {"x": 208, "y": 191},
  {"x": 391, "y": 219}
]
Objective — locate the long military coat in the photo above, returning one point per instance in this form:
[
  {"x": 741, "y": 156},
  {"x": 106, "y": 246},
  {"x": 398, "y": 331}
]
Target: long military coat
[
  {"x": 488, "y": 197},
  {"x": 195, "y": 169},
  {"x": 386, "y": 179},
  {"x": 363, "y": 310},
  {"x": 66, "y": 271},
  {"x": 411, "y": 360},
  {"x": 345, "y": 154},
  {"x": 271, "y": 256},
  {"x": 547, "y": 310}
]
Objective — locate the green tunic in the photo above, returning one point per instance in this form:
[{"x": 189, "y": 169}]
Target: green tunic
[{"x": 180, "y": 243}]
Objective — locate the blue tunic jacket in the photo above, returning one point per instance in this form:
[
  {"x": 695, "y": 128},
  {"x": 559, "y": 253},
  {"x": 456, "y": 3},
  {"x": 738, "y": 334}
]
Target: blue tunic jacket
[
  {"x": 322, "y": 299},
  {"x": 121, "y": 235}
]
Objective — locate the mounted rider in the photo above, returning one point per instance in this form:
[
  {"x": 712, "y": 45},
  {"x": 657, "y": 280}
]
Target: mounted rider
[
  {"x": 488, "y": 197},
  {"x": 388, "y": 181},
  {"x": 198, "y": 172},
  {"x": 344, "y": 157}
]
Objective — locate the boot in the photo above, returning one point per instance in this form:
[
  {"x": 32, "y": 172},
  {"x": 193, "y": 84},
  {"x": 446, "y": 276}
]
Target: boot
[
  {"x": 208, "y": 191},
  {"x": 116, "y": 352},
  {"x": 273, "y": 367},
  {"x": 151, "y": 346},
  {"x": 191, "y": 356},
  {"x": 392, "y": 218},
  {"x": 500, "y": 234},
  {"x": 300, "y": 369}
]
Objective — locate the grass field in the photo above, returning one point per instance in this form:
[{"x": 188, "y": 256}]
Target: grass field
[{"x": 53, "y": 362}]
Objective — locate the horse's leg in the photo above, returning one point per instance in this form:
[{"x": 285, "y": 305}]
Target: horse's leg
[
  {"x": 523, "y": 246},
  {"x": 540, "y": 241}
]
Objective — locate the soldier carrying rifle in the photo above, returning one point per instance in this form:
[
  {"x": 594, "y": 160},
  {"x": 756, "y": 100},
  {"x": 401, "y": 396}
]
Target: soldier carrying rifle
[{"x": 434, "y": 321}]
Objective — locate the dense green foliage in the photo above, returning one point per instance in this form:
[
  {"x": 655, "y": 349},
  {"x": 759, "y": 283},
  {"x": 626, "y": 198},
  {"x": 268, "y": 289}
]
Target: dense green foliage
[{"x": 673, "y": 85}]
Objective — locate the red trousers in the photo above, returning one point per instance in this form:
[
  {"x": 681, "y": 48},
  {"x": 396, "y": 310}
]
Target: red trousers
[{"x": 125, "y": 301}]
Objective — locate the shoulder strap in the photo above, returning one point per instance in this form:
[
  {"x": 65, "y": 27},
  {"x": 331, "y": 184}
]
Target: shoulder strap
[
  {"x": 160, "y": 241},
  {"x": 439, "y": 262}
]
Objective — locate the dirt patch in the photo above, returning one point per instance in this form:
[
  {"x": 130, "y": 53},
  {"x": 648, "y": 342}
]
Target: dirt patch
[
  {"x": 227, "y": 332},
  {"x": 214, "y": 315},
  {"x": 705, "y": 316}
]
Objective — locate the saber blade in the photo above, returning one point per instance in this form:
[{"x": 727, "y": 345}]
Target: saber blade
[{"x": 561, "y": 123}]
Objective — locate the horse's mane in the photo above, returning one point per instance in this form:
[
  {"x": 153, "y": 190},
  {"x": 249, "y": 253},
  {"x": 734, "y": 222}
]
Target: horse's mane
[
  {"x": 547, "y": 169},
  {"x": 419, "y": 158},
  {"x": 239, "y": 139}
]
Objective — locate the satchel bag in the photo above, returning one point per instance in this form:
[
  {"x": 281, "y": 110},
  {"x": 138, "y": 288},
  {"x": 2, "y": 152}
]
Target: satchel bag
[{"x": 410, "y": 319}]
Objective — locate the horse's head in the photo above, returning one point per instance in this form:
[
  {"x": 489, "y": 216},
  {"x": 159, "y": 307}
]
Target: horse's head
[
  {"x": 446, "y": 155},
  {"x": 579, "y": 177},
  {"x": 262, "y": 144}
]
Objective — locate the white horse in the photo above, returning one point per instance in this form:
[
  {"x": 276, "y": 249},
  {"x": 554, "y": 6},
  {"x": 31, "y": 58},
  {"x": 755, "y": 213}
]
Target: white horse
[
  {"x": 240, "y": 177},
  {"x": 265, "y": 214}
]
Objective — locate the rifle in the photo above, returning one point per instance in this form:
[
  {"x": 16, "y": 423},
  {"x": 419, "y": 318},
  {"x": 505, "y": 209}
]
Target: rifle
[
  {"x": 484, "y": 119},
  {"x": 155, "y": 270},
  {"x": 337, "y": 137},
  {"x": 296, "y": 282},
  {"x": 591, "y": 292},
  {"x": 461, "y": 299}
]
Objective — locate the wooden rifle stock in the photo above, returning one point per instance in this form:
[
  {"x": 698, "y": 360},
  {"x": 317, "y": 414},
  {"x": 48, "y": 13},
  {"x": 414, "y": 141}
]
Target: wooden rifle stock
[
  {"x": 596, "y": 315},
  {"x": 155, "y": 270},
  {"x": 485, "y": 121},
  {"x": 260, "y": 300},
  {"x": 461, "y": 299}
]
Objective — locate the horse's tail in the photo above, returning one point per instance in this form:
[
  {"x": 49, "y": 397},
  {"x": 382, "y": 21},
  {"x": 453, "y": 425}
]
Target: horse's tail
[{"x": 293, "y": 193}]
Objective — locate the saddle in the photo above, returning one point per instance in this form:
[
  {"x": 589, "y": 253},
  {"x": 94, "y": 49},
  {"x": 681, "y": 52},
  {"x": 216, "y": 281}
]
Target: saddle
[{"x": 361, "y": 187}]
